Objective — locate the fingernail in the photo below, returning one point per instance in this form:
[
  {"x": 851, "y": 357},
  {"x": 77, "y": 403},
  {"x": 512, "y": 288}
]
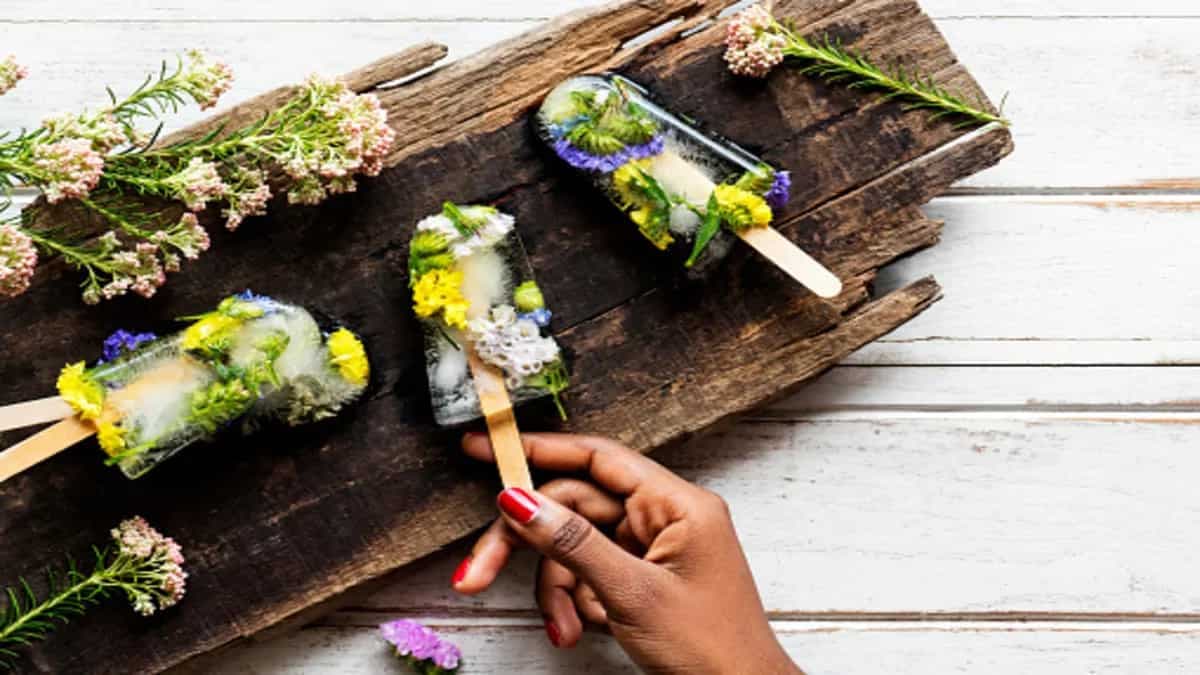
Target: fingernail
[
  {"x": 461, "y": 572},
  {"x": 518, "y": 504},
  {"x": 552, "y": 633}
]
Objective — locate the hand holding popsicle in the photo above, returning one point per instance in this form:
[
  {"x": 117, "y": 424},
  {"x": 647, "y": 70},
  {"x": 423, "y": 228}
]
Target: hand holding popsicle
[
  {"x": 485, "y": 321},
  {"x": 675, "y": 183},
  {"x": 251, "y": 359}
]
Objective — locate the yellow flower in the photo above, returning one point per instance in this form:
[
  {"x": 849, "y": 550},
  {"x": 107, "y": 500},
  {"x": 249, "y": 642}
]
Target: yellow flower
[
  {"x": 210, "y": 328},
  {"x": 441, "y": 291},
  {"x": 641, "y": 217},
  {"x": 628, "y": 182},
  {"x": 347, "y": 353},
  {"x": 111, "y": 438},
  {"x": 83, "y": 393},
  {"x": 742, "y": 209}
]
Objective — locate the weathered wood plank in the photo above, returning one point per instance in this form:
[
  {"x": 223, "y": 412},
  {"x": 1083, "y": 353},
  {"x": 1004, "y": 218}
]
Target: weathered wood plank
[
  {"x": 821, "y": 648},
  {"x": 290, "y": 520}
]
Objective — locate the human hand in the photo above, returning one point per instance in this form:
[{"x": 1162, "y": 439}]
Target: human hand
[{"x": 669, "y": 579}]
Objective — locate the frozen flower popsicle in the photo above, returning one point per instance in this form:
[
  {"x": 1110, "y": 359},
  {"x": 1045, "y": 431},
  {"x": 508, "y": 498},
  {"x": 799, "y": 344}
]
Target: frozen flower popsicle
[
  {"x": 681, "y": 188},
  {"x": 252, "y": 359},
  {"x": 485, "y": 321}
]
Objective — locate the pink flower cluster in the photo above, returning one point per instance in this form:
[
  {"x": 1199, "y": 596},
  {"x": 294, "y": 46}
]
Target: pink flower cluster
[
  {"x": 420, "y": 644},
  {"x": 18, "y": 257},
  {"x": 359, "y": 142},
  {"x": 102, "y": 129},
  {"x": 752, "y": 45},
  {"x": 206, "y": 80},
  {"x": 247, "y": 196},
  {"x": 197, "y": 184},
  {"x": 161, "y": 560},
  {"x": 11, "y": 72},
  {"x": 70, "y": 168}
]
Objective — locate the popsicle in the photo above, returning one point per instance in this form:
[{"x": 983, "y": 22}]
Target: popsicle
[
  {"x": 682, "y": 188},
  {"x": 487, "y": 344},
  {"x": 253, "y": 359}
]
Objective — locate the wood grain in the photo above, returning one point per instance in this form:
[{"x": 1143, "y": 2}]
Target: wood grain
[{"x": 281, "y": 522}]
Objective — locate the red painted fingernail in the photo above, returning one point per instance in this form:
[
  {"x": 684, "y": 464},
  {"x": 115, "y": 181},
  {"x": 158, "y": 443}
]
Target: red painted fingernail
[
  {"x": 461, "y": 572},
  {"x": 552, "y": 633},
  {"x": 518, "y": 504}
]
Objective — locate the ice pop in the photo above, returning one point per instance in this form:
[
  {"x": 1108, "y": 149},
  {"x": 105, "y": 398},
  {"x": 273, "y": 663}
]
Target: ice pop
[
  {"x": 252, "y": 359},
  {"x": 484, "y": 318},
  {"x": 682, "y": 188}
]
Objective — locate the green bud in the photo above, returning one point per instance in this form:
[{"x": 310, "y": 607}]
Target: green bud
[
  {"x": 428, "y": 243},
  {"x": 528, "y": 297}
]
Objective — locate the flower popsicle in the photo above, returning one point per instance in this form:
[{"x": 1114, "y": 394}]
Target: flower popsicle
[
  {"x": 674, "y": 182},
  {"x": 485, "y": 323},
  {"x": 252, "y": 359}
]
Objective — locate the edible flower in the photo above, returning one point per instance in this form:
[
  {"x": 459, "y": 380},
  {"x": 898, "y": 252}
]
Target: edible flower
[
  {"x": 347, "y": 354},
  {"x": 81, "y": 392},
  {"x": 741, "y": 209},
  {"x": 649, "y": 206},
  {"x": 122, "y": 341},
  {"x": 421, "y": 648},
  {"x": 111, "y": 438},
  {"x": 441, "y": 291},
  {"x": 528, "y": 297}
]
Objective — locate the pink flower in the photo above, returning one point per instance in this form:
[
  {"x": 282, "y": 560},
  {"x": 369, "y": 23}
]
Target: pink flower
[
  {"x": 190, "y": 238},
  {"x": 18, "y": 258},
  {"x": 11, "y": 72},
  {"x": 102, "y": 129},
  {"x": 161, "y": 561},
  {"x": 197, "y": 184},
  {"x": 206, "y": 80},
  {"x": 138, "y": 270},
  {"x": 248, "y": 196},
  {"x": 752, "y": 45},
  {"x": 67, "y": 169}
]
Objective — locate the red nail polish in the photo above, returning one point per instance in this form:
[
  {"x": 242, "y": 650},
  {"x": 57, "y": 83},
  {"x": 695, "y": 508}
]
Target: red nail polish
[
  {"x": 518, "y": 504},
  {"x": 461, "y": 572},
  {"x": 552, "y": 633}
]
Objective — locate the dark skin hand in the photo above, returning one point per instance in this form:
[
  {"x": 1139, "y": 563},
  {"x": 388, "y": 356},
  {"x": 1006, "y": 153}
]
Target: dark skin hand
[{"x": 669, "y": 580}]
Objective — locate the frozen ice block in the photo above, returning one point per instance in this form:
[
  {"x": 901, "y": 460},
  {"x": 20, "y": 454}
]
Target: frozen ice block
[
  {"x": 474, "y": 291},
  {"x": 683, "y": 189},
  {"x": 251, "y": 359}
]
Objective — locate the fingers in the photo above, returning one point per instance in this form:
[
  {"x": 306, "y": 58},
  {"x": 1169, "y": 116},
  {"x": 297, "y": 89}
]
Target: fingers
[
  {"x": 614, "y": 466},
  {"x": 495, "y": 546},
  {"x": 554, "y": 594},
  {"x": 587, "y": 603},
  {"x": 568, "y": 538}
]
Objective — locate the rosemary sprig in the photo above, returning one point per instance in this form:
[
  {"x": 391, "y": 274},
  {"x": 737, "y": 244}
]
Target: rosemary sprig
[{"x": 832, "y": 62}]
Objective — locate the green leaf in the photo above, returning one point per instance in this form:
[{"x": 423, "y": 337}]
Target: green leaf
[{"x": 708, "y": 230}]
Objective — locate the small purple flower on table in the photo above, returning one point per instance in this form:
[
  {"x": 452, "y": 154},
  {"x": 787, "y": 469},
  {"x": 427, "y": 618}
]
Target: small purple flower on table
[
  {"x": 781, "y": 190},
  {"x": 422, "y": 648},
  {"x": 541, "y": 316}
]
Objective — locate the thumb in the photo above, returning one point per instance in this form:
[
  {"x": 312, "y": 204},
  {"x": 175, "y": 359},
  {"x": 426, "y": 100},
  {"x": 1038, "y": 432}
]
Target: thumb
[{"x": 566, "y": 537}]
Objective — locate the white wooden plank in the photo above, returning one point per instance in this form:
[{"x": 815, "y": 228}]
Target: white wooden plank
[
  {"x": 908, "y": 513},
  {"x": 1090, "y": 125},
  {"x": 970, "y": 389},
  {"x": 1070, "y": 270},
  {"x": 20, "y": 11},
  {"x": 821, "y": 648}
]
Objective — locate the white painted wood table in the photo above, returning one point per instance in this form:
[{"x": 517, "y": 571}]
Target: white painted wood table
[{"x": 1007, "y": 484}]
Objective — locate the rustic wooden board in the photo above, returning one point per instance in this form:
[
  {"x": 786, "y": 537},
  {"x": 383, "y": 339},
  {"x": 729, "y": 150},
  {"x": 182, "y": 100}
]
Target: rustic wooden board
[{"x": 277, "y": 524}]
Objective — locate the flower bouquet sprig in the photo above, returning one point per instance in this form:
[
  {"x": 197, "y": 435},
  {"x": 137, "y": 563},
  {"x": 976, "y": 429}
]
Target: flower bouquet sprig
[
  {"x": 144, "y": 565},
  {"x": 756, "y": 43},
  {"x": 422, "y": 649},
  {"x": 145, "y": 196}
]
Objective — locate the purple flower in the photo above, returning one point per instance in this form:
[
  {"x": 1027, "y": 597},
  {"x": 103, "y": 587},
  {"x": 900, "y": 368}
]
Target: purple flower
[
  {"x": 540, "y": 316},
  {"x": 123, "y": 341},
  {"x": 582, "y": 159},
  {"x": 779, "y": 194},
  {"x": 419, "y": 643}
]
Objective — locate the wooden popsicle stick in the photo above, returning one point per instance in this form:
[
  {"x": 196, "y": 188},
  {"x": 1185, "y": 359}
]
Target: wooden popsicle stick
[
  {"x": 29, "y": 413},
  {"x": 502, "y": 424},
  {"x": 792, "y": 259},
  {"x": 679, "y": 176},
  {"x": 43, "y": 445}
]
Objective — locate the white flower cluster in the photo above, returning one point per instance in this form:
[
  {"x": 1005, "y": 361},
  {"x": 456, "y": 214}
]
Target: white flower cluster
[
  {"x": 493, "y": 227},
  {"x": 513, "y": 345}
]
